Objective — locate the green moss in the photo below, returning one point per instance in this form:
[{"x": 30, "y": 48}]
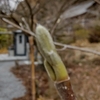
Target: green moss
[
  {"x": 82, "y": 33},
  {"x": 5, "y": 40},
  {"x": 66, "y": 40},
  {"x": 3, "y": 29}
]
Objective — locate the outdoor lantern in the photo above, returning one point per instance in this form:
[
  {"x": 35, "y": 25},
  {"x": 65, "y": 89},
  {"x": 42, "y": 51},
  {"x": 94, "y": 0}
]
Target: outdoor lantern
[{"x": 20, "y": 43}]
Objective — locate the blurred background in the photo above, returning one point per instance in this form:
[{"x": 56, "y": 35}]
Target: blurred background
[{"x": 73, "y": 22}]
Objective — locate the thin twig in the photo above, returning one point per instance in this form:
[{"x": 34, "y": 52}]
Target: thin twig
[
  {"x": 24, "y": 10},
  {"x": 14, "y": 19},
  {"x": 62, "y": 9},
  {"x": 41, "y": 6},
  {"x": 21, "y": 25},
  {"x": 31, "y": 15},
  {"x": 11, "y": 23},
  {"x": 26, "y": 24},
  {"x": 65, "y": 46},
  {"x": 98, "y": 1},
  {"x": 37, "y": 1},
  {"x": 58, "y": 17},
  {"x": 28, "y": 5},
  {"x": 4, "y": 16}
]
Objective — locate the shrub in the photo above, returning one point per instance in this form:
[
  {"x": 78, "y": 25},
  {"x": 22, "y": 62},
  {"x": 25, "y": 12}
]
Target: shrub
[{"x": 94, "y": 36}]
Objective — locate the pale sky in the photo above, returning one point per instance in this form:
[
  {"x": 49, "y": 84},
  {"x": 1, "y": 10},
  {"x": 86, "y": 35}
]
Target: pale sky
[{"x": 9, "y": 5}]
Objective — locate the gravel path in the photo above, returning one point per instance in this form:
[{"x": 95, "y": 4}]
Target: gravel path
[{"x": 10, "y": 86}]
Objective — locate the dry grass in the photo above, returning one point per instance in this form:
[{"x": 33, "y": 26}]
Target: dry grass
[
  {"x": 3, "y": 50},
  {"x": 83, "y": 68}
]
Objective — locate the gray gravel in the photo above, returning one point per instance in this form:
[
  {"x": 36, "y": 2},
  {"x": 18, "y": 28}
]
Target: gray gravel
[{"x": 10, "y": 86}]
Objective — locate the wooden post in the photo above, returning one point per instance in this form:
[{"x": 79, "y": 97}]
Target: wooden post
[{"x": 31, "y": 43}]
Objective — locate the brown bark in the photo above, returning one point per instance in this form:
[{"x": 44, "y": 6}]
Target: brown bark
[
  {"x": 31, "y": 42},
  {"x": 65, "y": 90}
]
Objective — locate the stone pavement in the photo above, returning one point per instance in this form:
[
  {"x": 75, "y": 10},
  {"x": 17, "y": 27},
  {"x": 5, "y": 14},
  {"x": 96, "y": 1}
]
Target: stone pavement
[
  {"x": 10, "y": 86},
  {"x": 6, "y": 57}
]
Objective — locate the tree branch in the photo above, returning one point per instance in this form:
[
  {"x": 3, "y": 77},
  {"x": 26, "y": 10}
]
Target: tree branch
[
  {"x": 14, "y": 19},
  {"x": 31, "y": 15},
  {"x": 57, "y": 18},
  {"x": 65, "y": 46},
  {"x": 28, "y": 5},
  {"x": 37, "y": 1},
  {"x": 41, "y": 6},
  {"x": 4, "y": 16},
  {"x": 26, "y": 24},
  {"x": 62, "y": 9},
  {"x": 13, "y": 24}
]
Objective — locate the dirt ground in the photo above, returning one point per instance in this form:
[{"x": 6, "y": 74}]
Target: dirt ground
[{"x": 83, "y": 68}]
